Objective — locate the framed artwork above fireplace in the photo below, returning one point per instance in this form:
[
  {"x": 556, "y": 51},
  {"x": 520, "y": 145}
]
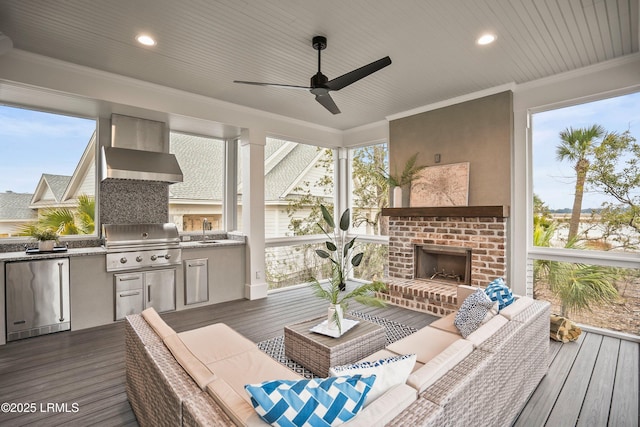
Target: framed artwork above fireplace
[{"x": 443, "y": 185}]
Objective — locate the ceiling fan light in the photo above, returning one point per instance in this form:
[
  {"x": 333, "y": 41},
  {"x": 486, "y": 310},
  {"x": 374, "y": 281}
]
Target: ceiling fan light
[
  {"x": 146, "y": 40},
  {"x": 486, "y": 39}
]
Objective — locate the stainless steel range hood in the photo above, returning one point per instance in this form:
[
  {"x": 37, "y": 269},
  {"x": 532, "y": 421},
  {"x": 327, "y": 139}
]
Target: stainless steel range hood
[
  {"x": 139, "y": 151},
  {"x": 125, "y": 163}
]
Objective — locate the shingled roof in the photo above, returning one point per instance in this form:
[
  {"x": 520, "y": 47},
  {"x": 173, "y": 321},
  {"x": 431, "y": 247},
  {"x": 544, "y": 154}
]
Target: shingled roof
[
  {"x": 203, "y": 180},
  {"x": 15, "y": 206},
  {"x": 286, "y": 162}
]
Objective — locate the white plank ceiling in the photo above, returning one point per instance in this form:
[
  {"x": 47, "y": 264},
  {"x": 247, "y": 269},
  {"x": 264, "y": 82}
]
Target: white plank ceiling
[{"x": 203, "y": 45}]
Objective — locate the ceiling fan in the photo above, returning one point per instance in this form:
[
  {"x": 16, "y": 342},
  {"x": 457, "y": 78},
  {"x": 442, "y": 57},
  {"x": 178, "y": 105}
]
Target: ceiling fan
[{"x": 321, "y": 86}]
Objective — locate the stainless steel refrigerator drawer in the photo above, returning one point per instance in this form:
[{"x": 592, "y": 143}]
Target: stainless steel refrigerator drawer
[
  {"x": 37, "y": 297},
  {"x": 129, "y": 297}
]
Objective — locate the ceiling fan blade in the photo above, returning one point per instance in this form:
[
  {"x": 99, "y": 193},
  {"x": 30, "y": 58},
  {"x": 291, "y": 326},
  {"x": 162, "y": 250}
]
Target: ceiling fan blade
[
  {"x": 355, "y": 75},
  {"x": 272, "y": 85},
  {"x": 327, "y": 102}
]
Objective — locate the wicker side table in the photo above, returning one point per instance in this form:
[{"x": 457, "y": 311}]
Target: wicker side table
[{"x": 318, "y": 352}]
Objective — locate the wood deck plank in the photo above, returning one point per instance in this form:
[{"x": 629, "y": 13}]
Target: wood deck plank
[
  {"x": 565, "y": 411},
  {"x": 542, "y": 400},
  {"x": 601, "y": 385},
  {"x": 624, "y": 404}
]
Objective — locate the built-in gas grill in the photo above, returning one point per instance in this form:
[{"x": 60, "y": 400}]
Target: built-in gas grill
[{"x": 141, "y": 246}]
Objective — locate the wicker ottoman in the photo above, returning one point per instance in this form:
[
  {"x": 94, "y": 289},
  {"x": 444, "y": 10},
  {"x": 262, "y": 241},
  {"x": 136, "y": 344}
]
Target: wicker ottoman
[{"x": 318, "y": 352}]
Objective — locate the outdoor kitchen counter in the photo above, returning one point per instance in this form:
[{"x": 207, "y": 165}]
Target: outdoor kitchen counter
[
  {"x": 22, "y": 256},
  {"x": 211, "y": 243},
  {"x": 99, "y": 250}
]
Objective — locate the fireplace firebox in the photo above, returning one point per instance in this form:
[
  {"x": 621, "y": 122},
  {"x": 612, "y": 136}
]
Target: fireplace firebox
[{"x": 443, "y": 263}]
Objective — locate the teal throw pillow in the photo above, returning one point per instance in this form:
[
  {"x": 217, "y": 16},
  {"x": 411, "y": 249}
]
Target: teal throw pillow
[
  {"x": 499, "y": 292},
  {"x": 318, "y": 402}
]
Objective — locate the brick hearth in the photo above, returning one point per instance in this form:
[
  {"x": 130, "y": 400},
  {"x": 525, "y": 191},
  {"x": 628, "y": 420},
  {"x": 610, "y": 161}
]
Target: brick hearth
[{"x": 481, "y": 228}]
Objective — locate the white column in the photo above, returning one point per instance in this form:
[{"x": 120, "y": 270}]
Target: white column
[
  {"x": 341, "y": 179},
  {"x": 230, "y": 197},
  {"x": 252, "y": 142}
]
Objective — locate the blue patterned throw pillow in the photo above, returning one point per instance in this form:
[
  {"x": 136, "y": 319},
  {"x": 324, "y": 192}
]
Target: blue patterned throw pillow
[
  {"x": 499, "y": 292},
  {"x": 472, "y": 312},
  {"x": 319, "y": 402}
]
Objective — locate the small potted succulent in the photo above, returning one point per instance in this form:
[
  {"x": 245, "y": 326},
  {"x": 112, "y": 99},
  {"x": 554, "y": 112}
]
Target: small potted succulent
[
  {"x": 46, "y": 237},
  {"x": 339, "y": 250}
]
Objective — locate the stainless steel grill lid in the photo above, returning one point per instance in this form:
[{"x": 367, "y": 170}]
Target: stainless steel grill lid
[{"x": 118, "y": 236}]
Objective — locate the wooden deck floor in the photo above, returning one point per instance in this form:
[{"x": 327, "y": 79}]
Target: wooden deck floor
[{"x": 77, "y": 378}]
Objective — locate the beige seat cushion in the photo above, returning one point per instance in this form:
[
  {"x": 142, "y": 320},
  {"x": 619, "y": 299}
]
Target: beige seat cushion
[
  {"x": 446, "y": 324},
  {"x": 250, "y": 367},
  {"x": 157, "y": 324},
  {"x": 190, "y": 363},
  {"x": 234, "y": 404},
  {"x": 481, "y": 334},
  {"x": 380, "y": 354},
  {"x": 439, "y": 365},
  {"x": 427, "y": 343},
  {"x": 516, "y": 307},
  {"x": 385, "y": 408},
  {"x": 477, "y": 337},
  {"x": 215, "y": 342}
]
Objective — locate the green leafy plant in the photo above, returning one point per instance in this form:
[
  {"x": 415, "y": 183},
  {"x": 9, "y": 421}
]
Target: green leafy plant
[
  {"x": 340, "y": 251},
  {"x": 409, "y": 173},
  {"x": 41, "y": 234}
]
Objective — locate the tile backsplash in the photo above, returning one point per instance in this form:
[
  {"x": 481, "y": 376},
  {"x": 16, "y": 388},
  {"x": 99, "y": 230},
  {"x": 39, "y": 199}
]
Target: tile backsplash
[{"x": 133, "y": 202}]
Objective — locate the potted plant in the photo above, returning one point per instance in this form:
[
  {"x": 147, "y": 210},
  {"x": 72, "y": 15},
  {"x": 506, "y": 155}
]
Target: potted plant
[
  {"x": 398, "y": 181},
  {"x": 339, "y": 250},
  {"x": 46, "y": 237}
]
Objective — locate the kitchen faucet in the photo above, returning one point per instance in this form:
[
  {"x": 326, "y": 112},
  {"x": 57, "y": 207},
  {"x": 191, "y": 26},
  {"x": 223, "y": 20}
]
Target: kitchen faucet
[{"x": 204, "y": 227}]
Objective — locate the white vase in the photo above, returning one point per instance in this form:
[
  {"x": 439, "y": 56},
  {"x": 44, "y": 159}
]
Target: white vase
[
  {"x": 397, "y": 197},
  {"x": 331, "y": 317},
  {"x": 46, "y": 245}
]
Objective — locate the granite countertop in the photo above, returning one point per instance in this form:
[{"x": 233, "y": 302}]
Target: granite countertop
[
  {"x": 99, "y": 250},
  {"x": 23, "y": 256},
  {"x": 210, "y": 243}
]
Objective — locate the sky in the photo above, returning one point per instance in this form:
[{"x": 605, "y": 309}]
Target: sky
[
  {"x": 554, "y": 181},
  {"x": 33, "y": 143}
]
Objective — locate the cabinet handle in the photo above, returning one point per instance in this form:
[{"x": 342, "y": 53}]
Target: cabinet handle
[
  {"x": 60, "y": 264},
  {"x": 197, "y": 264},
  {"x": 148, "y": 293},
  {"x": 129, "y": 294},
  {"x": 127, "y": 278}
]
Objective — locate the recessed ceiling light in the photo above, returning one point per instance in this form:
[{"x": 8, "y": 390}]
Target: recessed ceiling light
[
  {"x": 145, "y": 39},
  {"x": 486, "y": 39}
]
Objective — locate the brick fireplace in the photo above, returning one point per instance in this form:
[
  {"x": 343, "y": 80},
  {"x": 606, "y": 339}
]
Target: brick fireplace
[{"x": 471, "y": 242}]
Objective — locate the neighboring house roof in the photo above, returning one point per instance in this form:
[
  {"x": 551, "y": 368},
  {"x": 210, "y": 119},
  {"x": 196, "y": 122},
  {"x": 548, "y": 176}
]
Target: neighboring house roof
[
  {"x": 15, "y": 206},
  {"x": 288, "y": 172},
  {"x": 203, "y": 180},
  {"x": 49, "y": 190},
  {"x": 84, "y": 176},
  {"x": 286, "y": 164}
]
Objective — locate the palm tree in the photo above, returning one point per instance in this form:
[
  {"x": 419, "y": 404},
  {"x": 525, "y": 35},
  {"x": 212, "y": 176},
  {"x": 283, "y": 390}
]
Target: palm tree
[
  {"x": 578, "y": 286},
  {"x": 65, "y": 221},
  {"x": 577, "y": 146}
]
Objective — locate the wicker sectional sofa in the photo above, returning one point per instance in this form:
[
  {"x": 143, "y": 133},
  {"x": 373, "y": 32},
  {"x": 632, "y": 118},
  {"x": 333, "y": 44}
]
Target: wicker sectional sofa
[{"x": 485, "y": 382}]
